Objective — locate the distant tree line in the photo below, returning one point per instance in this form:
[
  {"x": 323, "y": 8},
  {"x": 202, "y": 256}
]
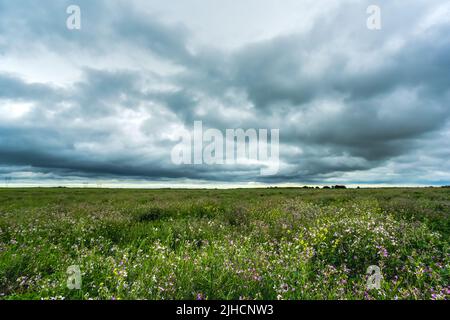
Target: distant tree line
[
  {"x": 308, "y": 187},
  {"x": 335, "y": 187},
  {"x": 326, "y": 187}
]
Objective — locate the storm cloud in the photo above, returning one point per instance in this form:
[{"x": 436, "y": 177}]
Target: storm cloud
[{"x": 109, "y": 102}]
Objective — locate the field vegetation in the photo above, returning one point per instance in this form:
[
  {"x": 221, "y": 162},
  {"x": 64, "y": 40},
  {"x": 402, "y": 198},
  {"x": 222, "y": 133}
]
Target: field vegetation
[{"x": 224, "y": 244}]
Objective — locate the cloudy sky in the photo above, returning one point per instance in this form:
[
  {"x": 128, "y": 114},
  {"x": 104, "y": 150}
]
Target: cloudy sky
[{"x": 106, "y": 104}]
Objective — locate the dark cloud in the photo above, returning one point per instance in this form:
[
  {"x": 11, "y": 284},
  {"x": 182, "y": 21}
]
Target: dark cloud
[
  {"x": 350, "y": 103},
  {"x": 12, "y": 87}
]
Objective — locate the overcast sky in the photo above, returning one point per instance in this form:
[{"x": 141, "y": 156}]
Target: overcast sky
[{"x": 107, "y": 103}]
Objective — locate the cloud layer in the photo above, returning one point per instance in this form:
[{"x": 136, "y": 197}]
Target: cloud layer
[{"x": 109, "y": 102}]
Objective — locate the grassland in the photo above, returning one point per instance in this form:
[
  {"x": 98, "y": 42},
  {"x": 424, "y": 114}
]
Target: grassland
[{"x": 224, "y": 244}]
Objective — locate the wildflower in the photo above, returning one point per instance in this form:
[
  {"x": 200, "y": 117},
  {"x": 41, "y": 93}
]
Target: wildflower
[
  {"x": 200, "y": 296},
  {"x": 284, "y": 287}
]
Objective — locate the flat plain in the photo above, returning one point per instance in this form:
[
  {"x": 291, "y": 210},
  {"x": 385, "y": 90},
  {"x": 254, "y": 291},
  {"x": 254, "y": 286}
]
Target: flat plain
[{"x": 277, "y": 243}]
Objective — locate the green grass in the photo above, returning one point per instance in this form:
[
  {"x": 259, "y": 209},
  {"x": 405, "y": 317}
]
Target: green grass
[{"x": 224, "y": 244}]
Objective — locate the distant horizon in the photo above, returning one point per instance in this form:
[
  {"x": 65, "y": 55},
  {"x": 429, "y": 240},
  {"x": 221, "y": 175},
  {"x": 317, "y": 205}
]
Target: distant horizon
[{"x": 224, "y": 186}]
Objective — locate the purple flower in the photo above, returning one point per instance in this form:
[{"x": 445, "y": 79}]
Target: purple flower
[
  {"x": 382, "y": 251},
  {"x": 200, "y": 296}
]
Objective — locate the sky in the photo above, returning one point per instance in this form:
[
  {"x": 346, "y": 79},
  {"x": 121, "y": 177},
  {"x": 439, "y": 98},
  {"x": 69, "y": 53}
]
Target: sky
[{"x": 106, "y": 104}]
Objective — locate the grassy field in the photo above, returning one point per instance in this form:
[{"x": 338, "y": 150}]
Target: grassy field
[{"x": 224, "y": 244}]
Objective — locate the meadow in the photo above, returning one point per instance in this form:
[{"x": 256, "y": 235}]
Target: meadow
[{"x": 225, "y": 244}]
